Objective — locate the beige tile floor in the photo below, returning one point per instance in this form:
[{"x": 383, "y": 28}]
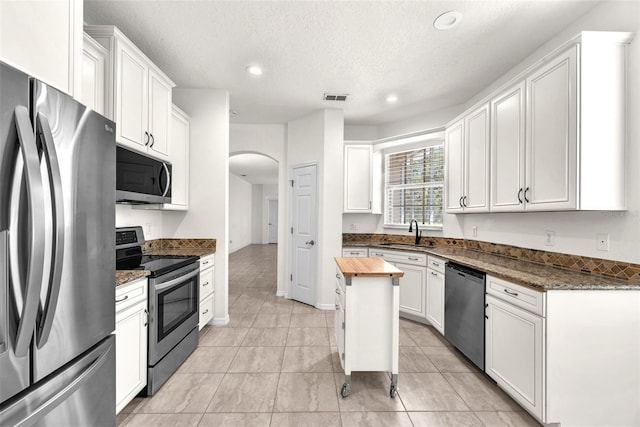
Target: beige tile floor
[{"x": 276, "y": 364}]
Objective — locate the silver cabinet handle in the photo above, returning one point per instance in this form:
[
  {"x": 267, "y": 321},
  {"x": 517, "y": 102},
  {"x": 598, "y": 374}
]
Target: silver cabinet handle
[
  {"x": 126, "y": 297},
  {"x": 310, "y": 243},
  {"x": 153, "y": 140},
  {"x": 57, "y": 246},
  {"x": 147, "y": 139},
  {"x": 205, "y": 284},
  {"x": 205, "y": 312},
  {"x": 35, "y": 201},
  {"x": 413, "y": 259},
  {"x": 526, "y": 199},
  {"x": 515, "y": 294},
  {"x": 146, "y": 313},
  {"x": 519, "y": 194},
  {"x": 434, "y": 273},
  {"x": 378, "y": 254},
  {"x": 338, "y": 276},
  {"x": 354, "y": 253},
  {"x": 436, "y": 264},
  {"x": 460, "y": 202}
]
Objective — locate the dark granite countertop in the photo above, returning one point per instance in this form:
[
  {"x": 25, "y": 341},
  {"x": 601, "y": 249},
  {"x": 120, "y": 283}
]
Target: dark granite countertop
[
  {"x": 127, "y": 276},
  {"x": 539, "y": 277},
  {"x": 199, "y": 252}
]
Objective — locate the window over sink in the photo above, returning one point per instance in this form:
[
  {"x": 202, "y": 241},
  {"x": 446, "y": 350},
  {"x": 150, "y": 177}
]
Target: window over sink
[{"x": 414, "y": 186}]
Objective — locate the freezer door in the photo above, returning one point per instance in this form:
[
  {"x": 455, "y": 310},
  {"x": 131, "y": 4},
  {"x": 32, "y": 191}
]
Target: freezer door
[
  {"x": 14, "y": 368},
  {"x": 82, "y": 394},
  {"x": 77, "y": 299}
]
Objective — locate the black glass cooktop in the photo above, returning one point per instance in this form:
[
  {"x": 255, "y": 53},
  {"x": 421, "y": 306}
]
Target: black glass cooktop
[{"x": 156, "y": 264}]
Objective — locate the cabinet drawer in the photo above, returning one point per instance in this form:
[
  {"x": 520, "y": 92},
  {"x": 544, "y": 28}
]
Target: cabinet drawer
[
  {"x": 355, "y": 252},
  {"x": 206, "y": 262},
  {"x": 436, "y": 264},
  {"x": 206, "y": 283},
  {"x": 520, "y": 296},
  {"x": 412, "y": 258},
  {"x": 206, "y": 311},
  {"x": 130, "y": 294}
]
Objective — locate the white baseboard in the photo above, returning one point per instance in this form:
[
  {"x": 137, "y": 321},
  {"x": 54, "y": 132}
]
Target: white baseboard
[
  {"x": 282, "y": 294},
  {"x": 326, "y": 306},
  {"x": 219, "y": 321}
]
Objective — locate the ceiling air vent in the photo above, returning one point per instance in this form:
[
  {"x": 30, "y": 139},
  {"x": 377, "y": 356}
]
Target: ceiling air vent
[{"x": 335, "y": 97}]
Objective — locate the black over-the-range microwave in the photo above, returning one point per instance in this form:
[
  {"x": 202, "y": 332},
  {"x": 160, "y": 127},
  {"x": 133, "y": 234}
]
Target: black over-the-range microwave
[{"x": 141, "y": 179}]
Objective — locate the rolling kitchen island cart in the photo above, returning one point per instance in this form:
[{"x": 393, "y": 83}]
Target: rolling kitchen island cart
[{"x": 367, "y": 317}]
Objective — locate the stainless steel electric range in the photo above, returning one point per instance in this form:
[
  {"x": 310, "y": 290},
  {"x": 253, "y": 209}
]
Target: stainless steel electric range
[{"x": 173, "y": 304}]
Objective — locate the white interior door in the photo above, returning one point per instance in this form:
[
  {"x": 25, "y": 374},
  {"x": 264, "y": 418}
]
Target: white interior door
[
  {"x": 304, "y": 234},
  {"x": 272, "y": 218}
]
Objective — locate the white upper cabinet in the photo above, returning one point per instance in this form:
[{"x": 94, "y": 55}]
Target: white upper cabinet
[
  {"x": 44, "y": 40},
  {"x": 551, "y": 139},
  {"x": 467, "y": 153},
  {"x": 556, "y": 132},
  {"x": 140, "y": 94},
  {"x": 94, "y": 70},
  {"x": 362, "y": 179},
  {"x": 507, "y": 150},
  {"x": 180, "y": 134},
  {"x": 454, "y": 151}
]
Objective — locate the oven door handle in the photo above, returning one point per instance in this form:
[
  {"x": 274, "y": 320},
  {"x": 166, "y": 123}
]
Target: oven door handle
[{"x": 177, "y": 280}]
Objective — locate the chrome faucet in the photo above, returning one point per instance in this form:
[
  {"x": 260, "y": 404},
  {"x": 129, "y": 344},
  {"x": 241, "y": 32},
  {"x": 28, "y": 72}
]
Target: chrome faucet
[{"x": 418, "y": 234}]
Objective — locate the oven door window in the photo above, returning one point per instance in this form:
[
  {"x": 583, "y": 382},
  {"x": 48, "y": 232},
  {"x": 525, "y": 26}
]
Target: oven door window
[{"x": 175, "y": 305}]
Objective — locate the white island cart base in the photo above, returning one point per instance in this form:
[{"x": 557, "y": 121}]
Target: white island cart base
[{"x": 367, "y": 317}]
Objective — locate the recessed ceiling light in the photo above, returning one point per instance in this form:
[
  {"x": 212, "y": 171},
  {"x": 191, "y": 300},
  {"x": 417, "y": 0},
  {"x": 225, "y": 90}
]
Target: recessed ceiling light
[
  {"x": 392, "y": 98},
  {"x": 255, "y": 70},
  {"x": 447, "y": 20}
]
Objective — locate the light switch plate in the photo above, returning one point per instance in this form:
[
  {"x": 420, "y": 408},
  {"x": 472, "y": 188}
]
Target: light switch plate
[{"x": 550, "y": 238}]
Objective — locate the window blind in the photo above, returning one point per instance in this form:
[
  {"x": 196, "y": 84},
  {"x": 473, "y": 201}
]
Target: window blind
[{"x": 414, "y": 186}]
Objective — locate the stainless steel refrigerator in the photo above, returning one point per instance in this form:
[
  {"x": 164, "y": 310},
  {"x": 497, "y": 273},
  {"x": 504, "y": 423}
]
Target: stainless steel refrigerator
[{"x": 57, "y": 258}]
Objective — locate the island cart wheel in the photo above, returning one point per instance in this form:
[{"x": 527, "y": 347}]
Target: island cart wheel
[{"x": 346, "y": 389}]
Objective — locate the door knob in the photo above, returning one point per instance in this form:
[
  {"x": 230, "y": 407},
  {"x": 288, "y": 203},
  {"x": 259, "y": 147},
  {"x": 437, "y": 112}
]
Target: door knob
[{"x": 310, "y": 242}]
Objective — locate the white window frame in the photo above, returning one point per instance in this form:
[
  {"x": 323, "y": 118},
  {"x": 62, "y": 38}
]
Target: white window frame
[{"x": 401, "y": 148}]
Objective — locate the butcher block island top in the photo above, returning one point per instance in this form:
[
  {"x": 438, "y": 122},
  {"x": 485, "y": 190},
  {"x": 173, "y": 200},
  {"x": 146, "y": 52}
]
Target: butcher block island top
[{"x": 367, "y": 267}]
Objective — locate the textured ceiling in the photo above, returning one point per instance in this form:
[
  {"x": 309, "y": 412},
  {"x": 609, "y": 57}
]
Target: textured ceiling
[
  {"x": 364, "y": 48},
  {"x": 254, "y": 168}
]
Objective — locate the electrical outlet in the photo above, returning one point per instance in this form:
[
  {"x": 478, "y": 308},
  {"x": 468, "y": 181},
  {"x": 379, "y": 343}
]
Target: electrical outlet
[
  {"x": 603, "y": 242},
  {"x": 353, "y": 227},
  {"x": 148, "y": 228},
  {"x": 474, "y": 231},
  {"x": 550, "y": 239}
]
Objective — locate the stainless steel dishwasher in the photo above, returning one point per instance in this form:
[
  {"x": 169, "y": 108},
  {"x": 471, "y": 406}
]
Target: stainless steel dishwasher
[{"x": 464, "y": 311}]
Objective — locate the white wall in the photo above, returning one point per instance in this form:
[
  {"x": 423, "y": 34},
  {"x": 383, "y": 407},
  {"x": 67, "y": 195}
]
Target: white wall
[
  {"x": 270, "y": 140},
  {"x": 319, "y": 138},
  {"x": 150, "y": 220},
  {"x": 208, "y": 214},
  {"x": 360, "y": 133},
  {"x": 257, "y": 214},
  {"x": 240, "y": 213},
  {"x": 575, "y": 232}
]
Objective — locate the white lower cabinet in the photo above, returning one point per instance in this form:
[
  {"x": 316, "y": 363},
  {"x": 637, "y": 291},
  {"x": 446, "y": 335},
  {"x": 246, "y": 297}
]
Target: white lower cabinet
[
  {"x": 355, "y": 252},
  {"x": 435, "y": 293},
  {"x": 413, "y": 285},
  {"x": 131, "y": 341},
  {"x": 206, "y": 290}
]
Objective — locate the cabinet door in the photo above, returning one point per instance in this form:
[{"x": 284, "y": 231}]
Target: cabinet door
[
  {"x": 435, "y": 299},
  {"x": 357, "y": 178},
  {"x": 131, "y": 98},
  {"x": 507, "y": 150},
  {"x": 94, "y": 63},
  {"x": 413, "y": 290},
  {"x": 454, "y": 151},
  {"x": 476, "y": 161},
  {"x": 552, "y": 144},
  {"x": 514, "y": 352},
  {"x": 131, "y": 354},
  {"x": 179, "y": 158},
  {"x": 159, "y": 114},
  {"x": 39, "y": 38}
]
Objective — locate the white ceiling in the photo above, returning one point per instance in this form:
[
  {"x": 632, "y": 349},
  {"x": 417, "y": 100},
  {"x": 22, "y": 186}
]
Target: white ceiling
[
  {"x": 367, "y": 49},
  {"x": 254, "y": 168}
]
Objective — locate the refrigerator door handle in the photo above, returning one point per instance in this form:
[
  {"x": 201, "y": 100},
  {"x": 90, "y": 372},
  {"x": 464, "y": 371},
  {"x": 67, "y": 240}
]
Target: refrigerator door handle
[
  {"x": 35, "y": 200},
  {"x": 43, "y": 129},
  {"x": 4, "y": 328}
]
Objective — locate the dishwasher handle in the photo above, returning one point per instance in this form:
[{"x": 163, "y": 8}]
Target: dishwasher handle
[{"x": 465, "y": 271}]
